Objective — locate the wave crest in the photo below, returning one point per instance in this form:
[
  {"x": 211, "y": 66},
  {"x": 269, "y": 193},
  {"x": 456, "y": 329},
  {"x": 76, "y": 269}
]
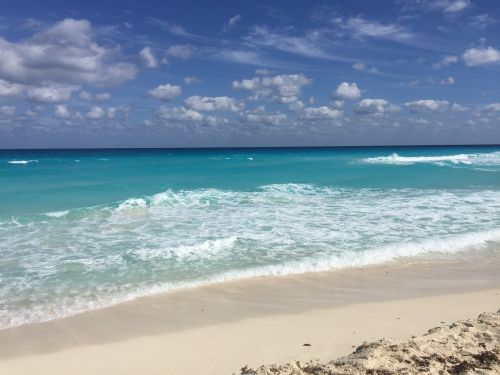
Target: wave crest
[{"x": 481, "y": 159}]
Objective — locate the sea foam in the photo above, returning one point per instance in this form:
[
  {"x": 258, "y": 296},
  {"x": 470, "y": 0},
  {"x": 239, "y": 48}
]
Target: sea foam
[
  {"x": 92, "y": 257},
  {"x": 480, "y": 159},
  {"x": 22, "y": 161}
]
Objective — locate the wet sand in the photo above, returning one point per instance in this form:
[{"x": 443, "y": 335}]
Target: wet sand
[{"x": 218, "y": 329}]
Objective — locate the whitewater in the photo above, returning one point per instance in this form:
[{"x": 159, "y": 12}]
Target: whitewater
[{"x": 83, "y": 230}]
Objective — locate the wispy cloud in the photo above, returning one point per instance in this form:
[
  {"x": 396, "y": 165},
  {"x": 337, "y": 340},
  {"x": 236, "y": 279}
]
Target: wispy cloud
[{"x": 359, "y": 27}]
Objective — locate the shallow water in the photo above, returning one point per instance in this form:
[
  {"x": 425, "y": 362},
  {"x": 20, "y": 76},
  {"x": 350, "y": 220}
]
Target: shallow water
[{"x": 85, "y": 229}]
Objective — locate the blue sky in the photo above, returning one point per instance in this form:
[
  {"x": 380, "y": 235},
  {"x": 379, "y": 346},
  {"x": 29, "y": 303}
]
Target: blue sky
[{"x": 248, "y": 73}]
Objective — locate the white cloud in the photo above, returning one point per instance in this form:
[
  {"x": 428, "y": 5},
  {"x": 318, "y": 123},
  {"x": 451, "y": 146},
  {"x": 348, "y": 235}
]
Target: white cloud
[
  {"x": 148, "y": 58},
  {"x": 191, "y": 80},
  {"x": 10, "y": 89},
  {"x": 165, "y": 92},
  {"x": 217, "y": 103},
  {"x": 179, "y": 114},
  {"x": 427, "y": 105},
  {"x": 184, "y": 51},
  {"x": 482, "y": 21},
  {"x": 307, "y": 45},
  {"x": 445, "y": 61},
  {"x": 264, "y": 72},
  {"x": 283, "y": 88},
  {"x": 346, "y": 91},
  {"x": 95, "y": 113},
  {"x": 481, "y": 56},
  {"x": 493, "y": 107},
  {"x": 453, "y": 6},
  {"x": 323, "y": 112},
  {"x": 112, "y": 112},
  {"x": 232, "y": 22},
  {"x": 446, "y": 6},
  {"x": 61, "y": 111},
  {"x": 359, "y": 27},
  {"x": 373, "y": 107},
  {"x": 50, "y": 94},
  {"x": 7, "y": 110},
  {"x": 62, "y": 53},
  {"x": 85, "y": 95},
  {"x": 260, "y": 116},
  {"x": 103, "y": 96},
  {"x": 359, "y": 66},
  {"x": 296, "y": 106},
  {"x": 447, "y": 81},
  {"x": 239, "y": 56},
  {"x": 458, "y": 108}
]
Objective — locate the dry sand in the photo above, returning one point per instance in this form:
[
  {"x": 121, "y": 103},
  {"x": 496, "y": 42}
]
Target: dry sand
[
  {"x": 221, "y": 328},
  {"x": 463, "y": 347}
]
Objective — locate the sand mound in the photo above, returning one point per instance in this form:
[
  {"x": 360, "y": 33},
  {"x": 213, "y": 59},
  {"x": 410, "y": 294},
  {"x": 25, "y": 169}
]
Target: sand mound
[{"x": 464, "y": 347}]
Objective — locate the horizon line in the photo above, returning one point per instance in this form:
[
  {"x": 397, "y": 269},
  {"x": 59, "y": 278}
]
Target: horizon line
[{"x": 249, "y": 147}]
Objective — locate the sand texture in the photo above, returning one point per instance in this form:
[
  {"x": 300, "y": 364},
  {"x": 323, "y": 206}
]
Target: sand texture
[{"x": 464, "y": 347}]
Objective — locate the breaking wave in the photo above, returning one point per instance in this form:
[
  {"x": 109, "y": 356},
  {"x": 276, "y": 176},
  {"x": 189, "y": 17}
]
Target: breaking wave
[
  {"x": 22, "y": 161},
  {"x": 480, "y": 159},
  {"x": 65, "y": 262}
]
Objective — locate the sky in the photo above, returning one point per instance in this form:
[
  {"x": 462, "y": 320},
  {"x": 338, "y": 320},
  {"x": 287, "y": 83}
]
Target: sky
[{"x": 80, "y": 74}]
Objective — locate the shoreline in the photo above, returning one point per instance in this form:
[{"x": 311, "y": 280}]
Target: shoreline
[
  {"x": 488, "y": 253},
  {"x": 270, "y": 312}
]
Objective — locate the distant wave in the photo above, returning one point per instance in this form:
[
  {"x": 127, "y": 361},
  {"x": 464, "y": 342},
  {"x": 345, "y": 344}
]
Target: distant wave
[
  {"x": 481, "y": 159},
  {"x": 22, "y": 161}
]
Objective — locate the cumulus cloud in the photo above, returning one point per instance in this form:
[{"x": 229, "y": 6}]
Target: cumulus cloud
[
  {"x": 232, "y": 22},
  {"x": 179, "y": 114},
  {"x": 373, "y": 107},
  {"x": 283, "y": 88},
  {"x": 493, "y": 107},
  {"x": 50, "y": 94},
  {"x": 481, "y": 56},
  {"x": 95, "y": 113},
  {"x": 10, "y": 89},
  {"x": 165, "y": 92},
  {"x": 445, "y": 61},
  {"x": 427, "y": 105},
  {"x": 62, "y": 53},
  {"x": 184, "y": 51},
  {"x": 61, "y": 111},
  {"x": 323, "y": 112},
  {"x": 216, "y": 103},
  {"x": 346, "y": 91},
  {"x": 148, "y": 58},
  {"x": 261, "y": 117},
  {"x": 296, "y": 106}
]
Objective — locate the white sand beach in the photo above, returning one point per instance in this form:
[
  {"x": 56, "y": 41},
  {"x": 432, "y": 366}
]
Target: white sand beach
[{"x": 221, "y": 328}]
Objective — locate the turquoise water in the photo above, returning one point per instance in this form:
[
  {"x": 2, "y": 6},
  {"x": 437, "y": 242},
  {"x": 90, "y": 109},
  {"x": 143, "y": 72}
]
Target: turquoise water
[{"x": 81, "y": 230}]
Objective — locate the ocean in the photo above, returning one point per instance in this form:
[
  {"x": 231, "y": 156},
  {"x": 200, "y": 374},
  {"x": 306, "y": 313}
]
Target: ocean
[{"x": 85, "y": 229}]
